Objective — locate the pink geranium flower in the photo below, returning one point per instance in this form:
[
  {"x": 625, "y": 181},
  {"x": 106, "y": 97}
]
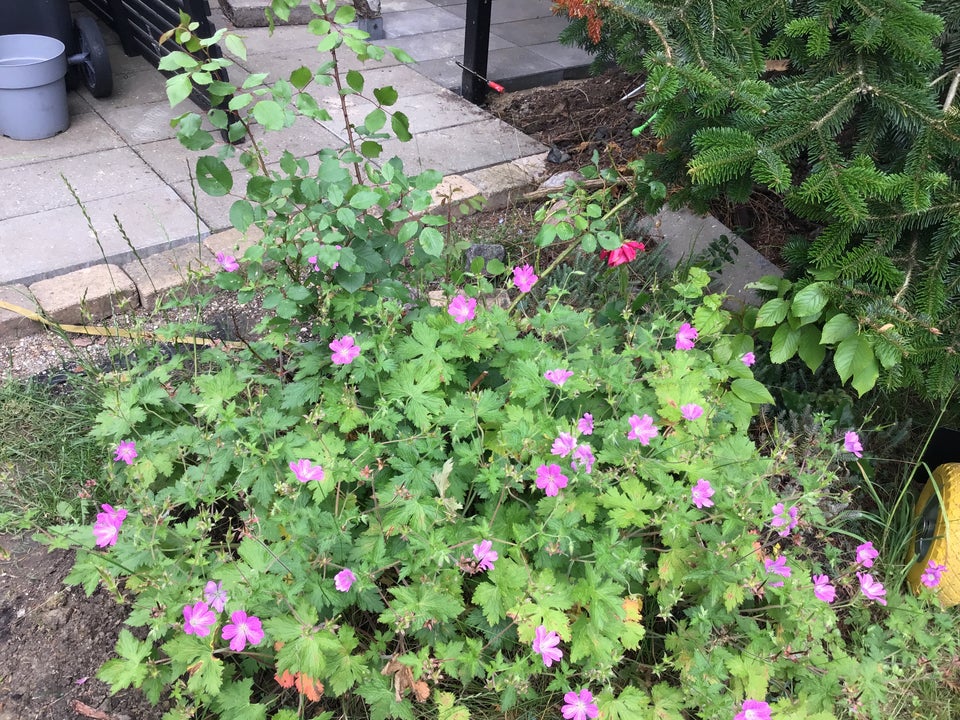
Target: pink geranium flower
[
  {"x": 866, "y": 554},
  {"x": 623, "y": 254},
  {"x": 227, "y": 262},
  {"x": 748, "y": 359},
  {"x": 691, "y": 411},
  {"x": 579, "y": 706},
  {"x": 753, "y": 710},
  {"x": 215, "y": 595},
  {"x": 583, "y": 457},
  {"x": 932, "y": 574},
  {"x": 485, "y": 554},
  {"x": 585, "y": 424},
  {"x": 823, "y": 590},
  {"x": 701, "y": 493},
  {"x": 550, "y": 479},
  {"x": 851, "y": 443},
  {"x": 344, "y": 580},
  {"x": 345, "y": 351},
  {"x": 777, "y": 567},
  {"x": 545, "y": 644},
  {"x": 305, "y": 471},
  {"x": 686, "y": 337},
  {"x": 559, "y": 376},
  {"x": 641, "y": 428},
  {"x": 872, "y": 589},
  {"x": 563, "y": 445},
  {"x": 786, "y": 520},
  {"x": 198, "y": 619},
  {"x": 242, "y": 629},
  {"x": 462, "y": 309},
  {"x": 126, "y": 452},
  {"x": 106, "y": 529},
  {"x": 524, "y": 278}
]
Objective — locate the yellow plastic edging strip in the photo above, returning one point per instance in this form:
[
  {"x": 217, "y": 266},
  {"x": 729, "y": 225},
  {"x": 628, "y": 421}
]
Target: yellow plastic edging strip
[{"x": 118, "y": 332}]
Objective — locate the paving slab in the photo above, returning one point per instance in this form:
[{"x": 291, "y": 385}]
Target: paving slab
[
  {"x": 504, "y": 11},
  {"x": 440, "y": 44},
  {"x": 88, "y": 133},
  {"x": 250, "y": 13},
  {"x": 463, "y": 148},
  {"x": 142, "y": 123},
  {"x": 86, "y": 296},
  {"x": 685, "y": 234},
  {"x": 531, "y": 32},
  {"x": 113, "y": 173},
  {"x": 417, "y": 22},
  {"x": 214, "y": 212},
  {"x": 49, "y": 243},
  {"x": 575, "y": 61}
]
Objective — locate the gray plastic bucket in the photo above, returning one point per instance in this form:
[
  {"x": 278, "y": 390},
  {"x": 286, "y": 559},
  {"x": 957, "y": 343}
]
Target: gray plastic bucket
[{"x": 33, "y": 94}]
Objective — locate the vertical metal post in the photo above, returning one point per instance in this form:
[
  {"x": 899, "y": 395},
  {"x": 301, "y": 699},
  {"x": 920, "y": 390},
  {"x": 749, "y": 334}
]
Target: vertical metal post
[{"x": 476, "y": 45}]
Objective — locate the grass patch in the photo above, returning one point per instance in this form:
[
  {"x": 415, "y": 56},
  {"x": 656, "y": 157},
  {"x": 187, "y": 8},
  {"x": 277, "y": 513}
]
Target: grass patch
[{"x": 48, "y": 462}]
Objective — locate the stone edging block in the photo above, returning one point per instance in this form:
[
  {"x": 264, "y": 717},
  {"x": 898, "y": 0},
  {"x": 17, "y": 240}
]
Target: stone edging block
[
  {"x": 87, "y": 295},
  {"x": 13, "y": 325}
]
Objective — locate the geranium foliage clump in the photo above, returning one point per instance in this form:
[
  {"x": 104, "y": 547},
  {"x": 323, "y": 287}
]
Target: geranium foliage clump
[{"x": 398, "y": 504}]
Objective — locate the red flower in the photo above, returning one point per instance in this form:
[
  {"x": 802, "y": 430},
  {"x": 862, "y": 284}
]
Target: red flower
[{"x": 623, "y": 254}]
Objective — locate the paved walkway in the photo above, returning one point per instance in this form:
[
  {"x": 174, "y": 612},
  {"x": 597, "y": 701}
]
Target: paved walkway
[{"x": 123, "y": 162}]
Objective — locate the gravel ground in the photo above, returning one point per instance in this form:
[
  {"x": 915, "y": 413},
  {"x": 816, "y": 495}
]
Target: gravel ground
[{"x": 50, "y": 353}]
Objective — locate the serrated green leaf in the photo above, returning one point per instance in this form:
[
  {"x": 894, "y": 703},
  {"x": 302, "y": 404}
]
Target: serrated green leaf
[
  {"x": 751, "y": 391},
  {"x": 301, "y": 77},
  {"x": 355, "y": 80},
  {"x": 233, "y": 701},
  {"x": 854, "y": 358},
  {"x": 206, "y": 676},
  {"x": 809, "y": 348},
  {"x": 852, "y": 353},
  {"x": 386, "y": 96},
  {"x": 213, "y": 176},
  {"x": 270, "y": 114},
  {"x": 811, "y": 300},
  {"x": 770, "y": 283},
  {"x": 241, "y": 215},
  {"x": 431, "y": 240},
  {"x": 375, "y": 120},
  {"x": 772, "y": 312},
  {"x": 784, "y": 344},
  {"x": 364, "y": 199},
  {"x": 235, "y": 45},
  {"x": 371, "y": 149},
  {"x": 345, "y": 14},
  {"x": 179, "y": 88},
  {"x": 401, "y": 127},
  {"x": 838, "y": 328}
]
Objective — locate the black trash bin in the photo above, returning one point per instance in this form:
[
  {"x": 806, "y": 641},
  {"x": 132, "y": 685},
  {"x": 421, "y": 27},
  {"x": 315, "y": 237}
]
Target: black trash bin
[{"x": 86, "y": 50}]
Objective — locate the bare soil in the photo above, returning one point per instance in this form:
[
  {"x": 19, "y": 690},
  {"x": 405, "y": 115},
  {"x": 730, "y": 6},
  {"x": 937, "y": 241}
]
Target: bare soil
[
  {"x": 583, "y": 117},
  {"x": 53, "y": 639}
]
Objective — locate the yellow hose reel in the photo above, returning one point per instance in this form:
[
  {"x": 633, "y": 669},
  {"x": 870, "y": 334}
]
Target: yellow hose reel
[{"x": 937, "y": 539}]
